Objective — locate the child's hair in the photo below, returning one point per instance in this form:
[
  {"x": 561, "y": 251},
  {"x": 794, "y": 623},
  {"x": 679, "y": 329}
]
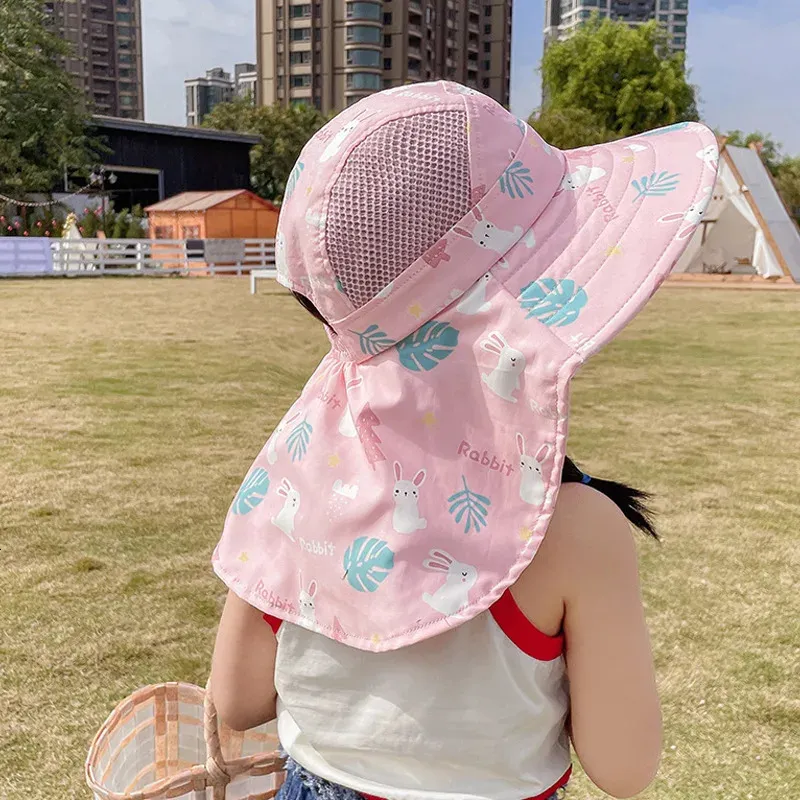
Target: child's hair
[{"x": 632, "y": 502}]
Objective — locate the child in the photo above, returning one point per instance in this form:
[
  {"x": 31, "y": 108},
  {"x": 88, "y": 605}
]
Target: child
[{"x": 426, "y": 640}]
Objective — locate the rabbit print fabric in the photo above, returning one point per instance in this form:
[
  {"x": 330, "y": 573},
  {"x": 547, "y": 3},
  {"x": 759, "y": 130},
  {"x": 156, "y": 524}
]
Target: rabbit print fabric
[{"x": 416, "y": 475}]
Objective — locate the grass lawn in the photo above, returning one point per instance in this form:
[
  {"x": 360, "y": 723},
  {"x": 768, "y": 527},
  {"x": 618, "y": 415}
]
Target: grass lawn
[{"x": 131, "y": 410}]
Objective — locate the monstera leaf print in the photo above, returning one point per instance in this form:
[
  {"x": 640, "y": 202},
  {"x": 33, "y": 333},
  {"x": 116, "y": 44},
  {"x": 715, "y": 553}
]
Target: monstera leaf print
[
  {"x": 294, "y": 177},
  {"x": 555, "y": 303},
  {"x": 678, "y": 126},
  {"x": 367, "y": 562},
  {"x": 373, "y": 340},
  {"x": 469, "y": 508},
  {"x": 656, "y": 185},
  {"x": 428, "y": 346},
  {"x": 516, "y": 181},
  {"x": 252, "y": 492},
  {"x": 298, "y": 439}
]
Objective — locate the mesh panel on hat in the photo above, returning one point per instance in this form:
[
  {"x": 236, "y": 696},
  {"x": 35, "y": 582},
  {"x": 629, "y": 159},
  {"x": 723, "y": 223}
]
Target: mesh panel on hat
[{"x": 401, "y": 190}]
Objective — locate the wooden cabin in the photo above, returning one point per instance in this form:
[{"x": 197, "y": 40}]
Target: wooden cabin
[{"x": 235, "y": 214}]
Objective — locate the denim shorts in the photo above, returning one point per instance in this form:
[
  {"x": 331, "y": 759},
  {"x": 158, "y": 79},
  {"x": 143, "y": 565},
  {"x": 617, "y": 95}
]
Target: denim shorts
[{"x": 303, "y": 785}]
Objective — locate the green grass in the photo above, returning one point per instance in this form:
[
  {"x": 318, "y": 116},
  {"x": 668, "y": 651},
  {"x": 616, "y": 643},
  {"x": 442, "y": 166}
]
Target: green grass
[{"x": 131, "y": 409}]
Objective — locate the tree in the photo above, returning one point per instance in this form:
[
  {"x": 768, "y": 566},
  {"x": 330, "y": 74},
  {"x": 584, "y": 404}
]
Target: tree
[
  {"x": 788, "y": 182},
  {"x": 42, "y": 126},
  {"x": 611, "y": 80},
  {"x": 283, "y": 131},
  {"x": 770, "y": 149}
]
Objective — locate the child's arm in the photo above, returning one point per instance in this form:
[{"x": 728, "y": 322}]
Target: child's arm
[
  {"x": 615, "y": 711},
  {"x": 243, "y": 667}
]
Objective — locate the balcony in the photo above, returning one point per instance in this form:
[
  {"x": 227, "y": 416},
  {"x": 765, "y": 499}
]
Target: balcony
[
  {"x": 415, "y": 5},
  {"x": 473, "y": 27},
  {"x": 414, "y": 29},
  {"x": 414, "y": 67},
  {"x": 415, "y": 51}
]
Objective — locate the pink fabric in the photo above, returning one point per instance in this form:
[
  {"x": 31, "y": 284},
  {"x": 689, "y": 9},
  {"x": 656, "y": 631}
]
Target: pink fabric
[{"x": 416, "y": 475}]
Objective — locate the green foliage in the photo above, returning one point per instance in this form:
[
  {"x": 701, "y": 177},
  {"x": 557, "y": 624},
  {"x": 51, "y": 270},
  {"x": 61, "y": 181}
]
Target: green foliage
[
  {"x": 788, "y": 182},
  {"x": 770, "y": 149},
  {"x": 283, "y": 131},
  {"x": 609, "y": 81},
  {"x": 42, "y": 126}
]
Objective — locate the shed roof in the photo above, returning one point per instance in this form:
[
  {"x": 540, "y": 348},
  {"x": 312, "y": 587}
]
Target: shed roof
[{"x": 202, "y": 201}]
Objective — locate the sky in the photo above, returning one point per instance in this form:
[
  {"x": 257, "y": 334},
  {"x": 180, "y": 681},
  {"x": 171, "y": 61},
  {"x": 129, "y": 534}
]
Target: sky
[{"x": 744, "y": 55}]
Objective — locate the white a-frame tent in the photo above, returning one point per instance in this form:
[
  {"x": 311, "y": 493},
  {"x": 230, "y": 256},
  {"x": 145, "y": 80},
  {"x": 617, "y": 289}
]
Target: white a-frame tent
[{"x": 747, "y": 229}]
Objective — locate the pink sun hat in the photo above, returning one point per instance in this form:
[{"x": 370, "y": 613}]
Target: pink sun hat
[{"x": 467, "y": 270}]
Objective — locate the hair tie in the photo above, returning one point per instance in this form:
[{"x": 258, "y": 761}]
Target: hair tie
[{"x": 586, "y": 479}]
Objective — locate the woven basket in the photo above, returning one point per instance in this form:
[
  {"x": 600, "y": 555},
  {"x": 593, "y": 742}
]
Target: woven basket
[{"x": 164, "y": 742}]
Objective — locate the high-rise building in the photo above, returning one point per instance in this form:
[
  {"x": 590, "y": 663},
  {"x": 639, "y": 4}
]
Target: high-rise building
[
  {"x": 203, "y": 94},
  {"x": 563, "y": 17},
  {"x": 106, "y": 62},
  {"x": 331, "y": 54}
]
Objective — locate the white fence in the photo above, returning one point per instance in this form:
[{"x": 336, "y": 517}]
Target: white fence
[{"x": 97, "y": 257}]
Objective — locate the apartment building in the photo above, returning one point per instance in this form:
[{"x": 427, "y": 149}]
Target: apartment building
[
  {"x": 331, "y": 54},
  {"x": 563, "y": 17},
  {"x": 204, "y": 94},
  {"x": 106, "y": 62}
]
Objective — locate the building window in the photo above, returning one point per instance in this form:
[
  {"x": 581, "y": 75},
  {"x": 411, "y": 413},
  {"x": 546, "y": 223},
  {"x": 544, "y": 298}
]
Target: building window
[
  {"x": 300, "y": 34},
  {"x": 487, "y": 47},
  {"x": 164, "y": 232},
  {"x": 124, "y": 16},
  {"x": 387, "y": 64},
  {"x": 280, "y": 12},
  {"x": 190, "y": 232},
  {"x": 486, "y": 83},
  {"x": 363, "y": 58},
  {"x": 298, "y": 12},
  {"x": 680, "y": 5},
  {"x": 487, "y": 29},
  {"x": 364, "y": 34},
  {"x": 364, "y": 81},
  {"x": 299, "y": 81},
  {"x": 387, "y": 40},
  {"x": 487, "y": 12},
  {"x": 679, "y": 41},
  {"x": 301, "y": 101},
  {"x": 429, "y": 16},
  {"x": 679, "y": 29},
  {"x": 364, "y": 11},
  {"x": 487, "y": 65},
  {"x": 126, "y": 101},
  {"x": 300, "y": 57},
  {"x": 387, "y": 18}
]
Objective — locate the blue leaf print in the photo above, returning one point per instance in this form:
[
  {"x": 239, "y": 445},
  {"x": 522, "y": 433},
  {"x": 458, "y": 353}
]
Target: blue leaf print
[
  {"x": 555, "y": 303},
  {"x": 373, "y": 340},
  {"x": 469, "y": 508},
  {"x": 252, "y": 491},
  {"x": 294, "y": 177},
  {"x": 298, "y": 439},
  {"x": 426, "y": 347},
  {"x": 656, "y": 185},
  {"x": 678, "y": 126},
  {"x": 367, "y": 562},
  {"x": 523, "y": 128},
  {"x": 516, "y": 181}
]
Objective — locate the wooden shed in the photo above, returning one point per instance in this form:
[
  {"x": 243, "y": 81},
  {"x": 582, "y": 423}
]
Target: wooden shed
[{"x": 236, "y": 214}]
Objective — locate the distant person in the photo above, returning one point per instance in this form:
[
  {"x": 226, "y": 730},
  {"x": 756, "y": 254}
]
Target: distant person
[{"x": 428, "y": 594}]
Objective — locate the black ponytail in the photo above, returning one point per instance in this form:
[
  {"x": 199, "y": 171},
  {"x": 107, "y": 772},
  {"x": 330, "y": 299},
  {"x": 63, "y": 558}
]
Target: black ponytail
[{"x": 631, "y": 502}]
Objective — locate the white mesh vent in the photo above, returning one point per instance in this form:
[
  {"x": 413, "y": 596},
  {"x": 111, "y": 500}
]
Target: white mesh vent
[{"x": 400, "y": 191}]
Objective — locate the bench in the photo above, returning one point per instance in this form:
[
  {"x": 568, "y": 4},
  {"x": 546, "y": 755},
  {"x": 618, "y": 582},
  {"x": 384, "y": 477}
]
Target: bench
[{"x": 258, "y": 274}]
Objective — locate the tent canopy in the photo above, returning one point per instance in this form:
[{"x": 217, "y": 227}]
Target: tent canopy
[{"x": 747, "y": 228}]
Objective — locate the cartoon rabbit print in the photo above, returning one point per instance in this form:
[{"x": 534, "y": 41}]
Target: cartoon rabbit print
[
  {"x": 284, "y": 519},
  {"x": 531, "y": 486},
  {"x": 347, "y": 425},
  {"x": 486, "y": 235},
  {"x": 406, "y": 518},
  {"x": 308, "y": 610},
  {"x": 505, "y": 378},
  {"x": 474, "y": 301},
  {"x": 339, "y": 138},
  {"x": 691, "y": 217},
  {"x": 453, "y": 595}
]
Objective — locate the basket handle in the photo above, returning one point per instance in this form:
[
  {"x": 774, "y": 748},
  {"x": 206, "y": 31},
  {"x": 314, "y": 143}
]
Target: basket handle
[{"x": 217, "y": 770}]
